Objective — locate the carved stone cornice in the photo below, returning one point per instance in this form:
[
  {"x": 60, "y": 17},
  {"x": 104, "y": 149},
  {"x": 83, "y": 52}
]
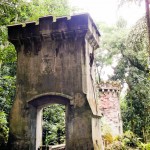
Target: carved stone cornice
[{"x": 31, "y": 35}]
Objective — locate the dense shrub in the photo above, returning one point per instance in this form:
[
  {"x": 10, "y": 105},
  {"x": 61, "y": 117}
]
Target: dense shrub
[
  {"x": 3, "y": 130},
  {"x": 128, "y": 141}
]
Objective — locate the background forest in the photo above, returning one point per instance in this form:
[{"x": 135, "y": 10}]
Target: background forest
[{"x": 124, "y": 49}]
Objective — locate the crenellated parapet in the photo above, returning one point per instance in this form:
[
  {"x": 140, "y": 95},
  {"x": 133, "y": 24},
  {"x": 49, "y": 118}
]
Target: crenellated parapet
[
  {"x": 109, "y": 86},
  {"x": 31, "y": 35}
]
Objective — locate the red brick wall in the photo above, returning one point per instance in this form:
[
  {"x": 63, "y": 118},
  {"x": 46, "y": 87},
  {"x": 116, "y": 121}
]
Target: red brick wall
[{"x": 110, "y": 106}]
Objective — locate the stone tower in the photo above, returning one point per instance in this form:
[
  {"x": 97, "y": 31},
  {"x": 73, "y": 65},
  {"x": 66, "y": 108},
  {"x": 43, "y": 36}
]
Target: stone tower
[
  {"x": 110, "y": 105},
  {"x": 55, "y": 64}
]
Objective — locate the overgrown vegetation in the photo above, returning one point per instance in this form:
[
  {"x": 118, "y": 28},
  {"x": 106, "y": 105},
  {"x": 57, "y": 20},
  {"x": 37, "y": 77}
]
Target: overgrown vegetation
[
  {"x": 134, "y": 61},
  {"x": 128, "y": 141},
  {"x": 54, "y": 125},
  {"x": 127, "y": 49},
  {"x": 3, "y": 129}
]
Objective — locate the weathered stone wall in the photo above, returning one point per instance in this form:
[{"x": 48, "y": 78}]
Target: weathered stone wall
[
  {"x": 110, "y": 106},
  {"x": 54, "y": 65}
]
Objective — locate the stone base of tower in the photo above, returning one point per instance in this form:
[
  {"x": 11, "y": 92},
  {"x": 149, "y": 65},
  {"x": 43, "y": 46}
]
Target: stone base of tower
[{"x": 83, "y": 131}]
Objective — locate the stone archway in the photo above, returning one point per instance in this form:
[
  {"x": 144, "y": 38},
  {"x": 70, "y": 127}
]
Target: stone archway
[
  {"x": 43, "y": 100},
  {"x": 56, "y": 59}
]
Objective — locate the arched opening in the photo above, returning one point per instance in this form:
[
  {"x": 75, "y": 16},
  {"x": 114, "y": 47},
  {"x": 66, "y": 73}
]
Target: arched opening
[
  {"x": 53, "y": 132},
  {"x": 43, "y": 104}
]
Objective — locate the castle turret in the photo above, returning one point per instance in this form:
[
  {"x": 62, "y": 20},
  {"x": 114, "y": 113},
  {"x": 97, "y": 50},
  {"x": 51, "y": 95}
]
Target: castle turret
[{"x": 110, "y": 106}]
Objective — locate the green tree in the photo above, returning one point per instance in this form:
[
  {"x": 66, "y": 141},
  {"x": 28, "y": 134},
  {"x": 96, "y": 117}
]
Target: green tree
[
  {"x": 132, "y": 69},
  {"x": 49, "y": 7},
  {"x": 112, "y": 41},
  {"x": 3, "y": 130},
  {"x": 54, "y": 125},
  {"x": 130, "y": 51}
]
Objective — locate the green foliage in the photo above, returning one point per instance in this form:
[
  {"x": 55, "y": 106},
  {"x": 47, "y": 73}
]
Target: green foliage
[
  {"x": 128, "y": 141},
  {"x": 136, "y": 115},
  {"x": 112, "y": 42},
  {"x": 3, "y": 130},
  {"x": 116, "y": 145},
  {"x": 145, "y": 146},
  {"x": 7, "y": 71},
  {"x": 13, "y": 11},
  {"x": 7, "y": 91},
  {"x": 129, "y": 50},
  {"x": 54, "y": 125},
  {"x": 121, "y": 23},
  {"x": 48, "y": 7}
]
